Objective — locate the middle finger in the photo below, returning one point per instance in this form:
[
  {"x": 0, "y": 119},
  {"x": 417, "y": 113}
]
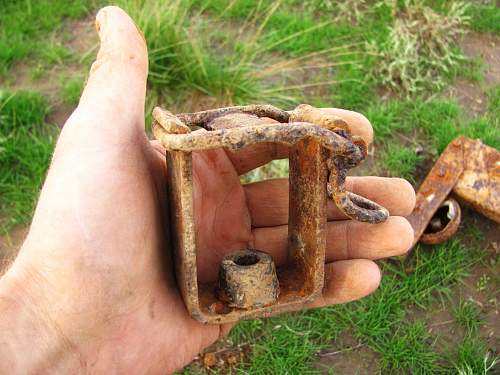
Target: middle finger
[{"x": 345, "y": 239}]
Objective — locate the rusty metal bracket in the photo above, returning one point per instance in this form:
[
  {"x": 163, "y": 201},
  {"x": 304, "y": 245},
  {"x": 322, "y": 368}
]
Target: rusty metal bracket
[
  {"x": 469, "y": 169},
  {"x": 321, "y": 150}
]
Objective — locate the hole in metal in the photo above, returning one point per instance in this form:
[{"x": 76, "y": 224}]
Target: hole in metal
[
  {"x": 246, "y": 260},
  {"x": 440, "y": 219}
]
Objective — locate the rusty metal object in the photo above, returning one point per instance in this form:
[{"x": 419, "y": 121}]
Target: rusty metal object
[
  {"x": 443, "y": 224},
  {"x": 436, "y": 187},
  {"x": 321, "y": 150},
  {"x": 248, "y": 279},
  {"x": 472, "y": 171},
  {"x": 479, "y": 184}
]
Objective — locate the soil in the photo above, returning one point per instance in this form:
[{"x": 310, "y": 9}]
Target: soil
[
  {"x": 348, "y": 357},
  {"x": 80, "y": 37},
  {"x": 473, "y": 95}
]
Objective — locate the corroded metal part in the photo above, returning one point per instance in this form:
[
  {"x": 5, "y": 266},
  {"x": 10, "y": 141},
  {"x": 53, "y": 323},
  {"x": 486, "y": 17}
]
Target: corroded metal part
[
  {"x": 169, "y": 123},
  {"x": 239, "y": 137},
  {"x": 479, "y": 184},
  {"x": 308, "y": 113},
  {"x": 443, "y": 224},
  {"x": 472, "y": 171},
  {"x": 203, "y": 118},
  {"x": 352, "y": 205},
  {"x": 313, "y": 144},
  {"x": 247, "y": 279},
  {"x": 436, "y": 187}
]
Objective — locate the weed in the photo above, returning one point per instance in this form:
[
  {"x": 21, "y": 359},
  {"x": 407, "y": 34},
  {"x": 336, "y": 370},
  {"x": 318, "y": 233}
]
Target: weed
[
  {"x": 400, "y": 160},
  {"x": 482, "y": 283},
  {"x": 71, "y": 89},
  {"x": 421, "y": 48},
  {"x": 25, "y": 152},
  {"x": 485, "y": 17},
  {"x": 184, "y": 55},
  {"x": 437, "y": 122},
  {"x": 467, "y": 315},
  {"x": 25, "y": 25},
  {"x": 37, "y": 72},
  {"x": 474, "y": 358},
  {"x": 408, "y": 351}
]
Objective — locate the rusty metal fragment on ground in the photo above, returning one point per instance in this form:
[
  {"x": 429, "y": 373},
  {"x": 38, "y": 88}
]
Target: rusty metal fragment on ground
[
  {"x": 469, "y": 169},
  {"x": 321, "y": 150},
  {"x": 443, "y": 224},
  {"x": 479, "y": 184}
]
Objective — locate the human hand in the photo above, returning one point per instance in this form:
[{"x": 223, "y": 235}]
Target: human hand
[{"x": 93, "y": 290}]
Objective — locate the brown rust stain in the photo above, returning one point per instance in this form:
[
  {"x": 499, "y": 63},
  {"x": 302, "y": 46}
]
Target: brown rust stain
[{"x": 472, "y": 171}]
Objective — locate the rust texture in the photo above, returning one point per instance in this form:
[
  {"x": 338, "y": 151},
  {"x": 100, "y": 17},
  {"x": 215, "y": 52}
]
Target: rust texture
[
  {"x": 204, "y": 118},
  {"x": 248, "y": 279},
  {"x": 469, "y": 169},
  {"x": 436, "y": 187},
  {"x": 321, "y": 150},
  {"x": 479, "y": 184}
]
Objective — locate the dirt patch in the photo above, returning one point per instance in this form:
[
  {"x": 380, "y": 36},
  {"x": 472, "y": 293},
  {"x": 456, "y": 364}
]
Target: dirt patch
[
  {"x": 81, "y": 35},
  {"x": 472, "y": 95},
  {"x": 347, "y": 357},
  {"x": 81, "y": 39},
  {"x": 487, "y": 47}
]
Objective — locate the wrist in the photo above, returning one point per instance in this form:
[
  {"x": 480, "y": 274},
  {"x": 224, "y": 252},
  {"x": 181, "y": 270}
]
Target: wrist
[{"x": 30, "y": 340}]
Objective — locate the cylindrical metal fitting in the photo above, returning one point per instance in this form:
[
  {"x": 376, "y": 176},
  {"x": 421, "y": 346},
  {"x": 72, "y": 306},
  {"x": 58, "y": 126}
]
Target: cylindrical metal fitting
[
  {"x": 443, "y": 224},
  {"x": 247, "y": 279}
]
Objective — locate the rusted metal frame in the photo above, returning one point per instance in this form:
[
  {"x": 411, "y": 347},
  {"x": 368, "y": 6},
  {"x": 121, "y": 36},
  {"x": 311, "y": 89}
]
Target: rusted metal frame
[
  {"x": 300, "y": 279},
  {"x": 237, "y": 138},
  {"x": 344, "y": 154},
  {"x": 202, "y": 118},
  {"x": 311, "y": 146}
]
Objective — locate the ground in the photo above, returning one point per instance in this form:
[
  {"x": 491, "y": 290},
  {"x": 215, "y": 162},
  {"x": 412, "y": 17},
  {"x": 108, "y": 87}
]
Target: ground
[{"x": 421, "y": 71}]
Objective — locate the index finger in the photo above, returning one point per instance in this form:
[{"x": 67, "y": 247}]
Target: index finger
[{"x": 254, "y": 156}]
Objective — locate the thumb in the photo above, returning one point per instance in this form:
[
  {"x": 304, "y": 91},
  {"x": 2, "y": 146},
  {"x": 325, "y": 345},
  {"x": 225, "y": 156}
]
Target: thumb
[{"x": 112, "y": 102}]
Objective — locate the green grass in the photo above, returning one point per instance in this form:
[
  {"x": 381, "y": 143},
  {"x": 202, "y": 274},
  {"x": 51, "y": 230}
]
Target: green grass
[
  {"x": 485, "y": 18},
  {"x": 27, "y": 30},
  {"x": 467, "y": 315},
  {"x": 400, "y": 159},
  {"x": 474, "y": 358},
  {"x": 25, "y": 152},
  {"x": 71, "y": 89},
  {"x": 403, "y": 125}
]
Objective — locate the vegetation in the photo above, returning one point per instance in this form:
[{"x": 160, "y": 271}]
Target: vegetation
[
  {"x": 486, "y": 17},
  {"x": 387, "y": 59},
  {"x": 28, "y": 30},
  {"x": 419, "y": 52},
  {"x": 25, "y": 152}
]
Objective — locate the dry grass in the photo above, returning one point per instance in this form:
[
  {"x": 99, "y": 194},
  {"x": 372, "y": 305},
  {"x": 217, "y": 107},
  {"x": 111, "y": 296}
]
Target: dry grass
[{"x": 421, "y": 48}]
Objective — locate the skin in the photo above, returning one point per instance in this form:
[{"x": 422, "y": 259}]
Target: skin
[{"x": 92, "y": 289}]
